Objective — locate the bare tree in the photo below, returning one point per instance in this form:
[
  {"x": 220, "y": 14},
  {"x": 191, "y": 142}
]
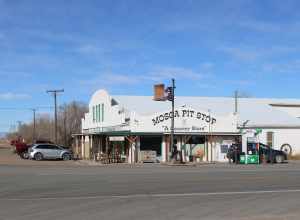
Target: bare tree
[
  {"x": 69, "y": 122},
  {"x": 69, "y": 117}
]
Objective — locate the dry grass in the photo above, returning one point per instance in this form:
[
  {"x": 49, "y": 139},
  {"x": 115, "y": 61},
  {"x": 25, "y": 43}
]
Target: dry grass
[{"x": 294, "y": 157}]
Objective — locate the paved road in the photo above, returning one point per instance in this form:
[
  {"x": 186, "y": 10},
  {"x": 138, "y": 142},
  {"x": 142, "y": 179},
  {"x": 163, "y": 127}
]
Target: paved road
[{"x": 150, "y": 192}]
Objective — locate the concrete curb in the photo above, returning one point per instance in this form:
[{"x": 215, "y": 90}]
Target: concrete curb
[
  {"x": 188, "y": 164},
  {"x": 95, "y": 163}
]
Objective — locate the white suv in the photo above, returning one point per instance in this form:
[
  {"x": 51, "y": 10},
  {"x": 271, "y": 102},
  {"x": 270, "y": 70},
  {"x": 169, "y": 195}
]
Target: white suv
[{"x": 49, "y": 151}]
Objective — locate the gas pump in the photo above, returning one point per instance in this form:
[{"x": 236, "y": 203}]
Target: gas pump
[{"x": 252, "y": 154}]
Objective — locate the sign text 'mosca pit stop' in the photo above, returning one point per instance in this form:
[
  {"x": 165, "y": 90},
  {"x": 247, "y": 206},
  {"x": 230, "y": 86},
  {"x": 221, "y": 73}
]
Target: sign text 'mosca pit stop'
[{"x": 185, "y": 113}]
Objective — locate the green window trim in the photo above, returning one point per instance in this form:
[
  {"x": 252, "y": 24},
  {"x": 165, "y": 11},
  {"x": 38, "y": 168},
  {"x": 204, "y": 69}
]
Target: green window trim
[
  {"x": 102, "y": 118},
  {"x": 94, "y": 118},
  {"x": 99, "y": 113},
  {"x": 95, "y": 113}
]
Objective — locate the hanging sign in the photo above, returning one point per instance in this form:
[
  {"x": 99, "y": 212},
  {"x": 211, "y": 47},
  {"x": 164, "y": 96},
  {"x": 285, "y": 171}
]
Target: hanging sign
[{"x": 116, "y": 138}]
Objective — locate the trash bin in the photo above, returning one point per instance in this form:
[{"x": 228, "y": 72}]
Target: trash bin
[{"x": 242, "y": 159}]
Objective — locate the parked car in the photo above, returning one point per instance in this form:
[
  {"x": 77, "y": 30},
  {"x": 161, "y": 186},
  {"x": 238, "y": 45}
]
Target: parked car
[
  {"x": 42, "y": 141},
  {"x": 49, "y": 151},
  {"x": 21, "y": 147},
  {"x": 272, "y": 155}
]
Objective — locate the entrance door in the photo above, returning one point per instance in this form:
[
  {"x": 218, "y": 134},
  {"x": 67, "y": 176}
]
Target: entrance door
[
  {"x": 222, "y": 149},
  {"x": 151, "y": 143}
]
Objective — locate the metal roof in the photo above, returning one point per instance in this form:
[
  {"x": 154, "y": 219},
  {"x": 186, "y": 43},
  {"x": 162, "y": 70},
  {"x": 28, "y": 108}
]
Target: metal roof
[{"x": 257, "y": 110}]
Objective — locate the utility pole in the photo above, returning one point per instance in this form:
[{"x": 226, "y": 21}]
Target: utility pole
[
  {"x": 19, "y": 126},
  {"x": 65, "y": 126},
  {"x": 210, "y": 137},
  {"x": 168, "y": 94},
  {"x": 54, "y": 92},
  {"x": 236, "y": 95},
  {"x": 34, "y": 126},
  {"x": 172, "y": 99}
]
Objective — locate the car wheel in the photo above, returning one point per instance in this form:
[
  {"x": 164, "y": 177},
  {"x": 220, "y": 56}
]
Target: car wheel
[
  {"x": 279, "y": 159},
  {"x": 38, "y": 156},
  {"x": 287, "y": 149},
  {"x": 25, "y": 155},
  {"x": 66, "y": 156}
]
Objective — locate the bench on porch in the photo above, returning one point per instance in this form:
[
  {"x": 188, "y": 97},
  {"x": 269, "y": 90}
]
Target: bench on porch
[{"x": 109, "y": 158}]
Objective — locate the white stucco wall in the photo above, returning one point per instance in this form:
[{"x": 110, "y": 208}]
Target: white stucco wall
[
  {"x": 187, "y": 120},
  {"x": 283, "y": 136},
  {"x": 117, "y": 115},
  {"x": 113, "y": 115}
]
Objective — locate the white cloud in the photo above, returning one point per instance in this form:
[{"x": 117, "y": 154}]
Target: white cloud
[
  {"x": 88, "y": 48},
  {"x": 268, "y": 27},
  {"x": 252, "y": 53},
  {"x": 261, "y": 26},
  {"x": 108, "y": 79},
  {"x": 163, "y": 73},
  {"x": 120, "y": 79},
  {"x": 241, "y": 82},
  {"x": 13, "y": 96},
  {"x": 19, "y": 74},
  {"x": 154, "y": 75},
  {"x": 292, "y": 67},
  {"x": 206, "y": 86},
  {"x": 241, "y": 53},
  {"x": 91, "y": 49}
]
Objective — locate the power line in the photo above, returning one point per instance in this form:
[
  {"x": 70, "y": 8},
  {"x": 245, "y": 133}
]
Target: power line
[{"x": 24, "y": 109}]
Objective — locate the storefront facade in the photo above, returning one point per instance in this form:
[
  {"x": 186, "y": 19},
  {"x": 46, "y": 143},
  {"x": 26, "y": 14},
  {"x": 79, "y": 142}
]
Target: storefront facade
[{"x": 124, "y": 128}]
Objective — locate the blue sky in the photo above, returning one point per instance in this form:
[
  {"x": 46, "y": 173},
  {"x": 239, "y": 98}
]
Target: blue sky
[{"x": 210, "y": 47}]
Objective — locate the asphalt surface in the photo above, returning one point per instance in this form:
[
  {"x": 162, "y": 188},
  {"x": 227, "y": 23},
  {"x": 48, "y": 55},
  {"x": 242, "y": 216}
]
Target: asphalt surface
[{"x": 150, "y": 192}]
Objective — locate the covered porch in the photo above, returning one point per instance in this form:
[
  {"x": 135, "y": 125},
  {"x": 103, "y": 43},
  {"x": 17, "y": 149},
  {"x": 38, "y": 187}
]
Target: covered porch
[{"x": 113, "y": 147}]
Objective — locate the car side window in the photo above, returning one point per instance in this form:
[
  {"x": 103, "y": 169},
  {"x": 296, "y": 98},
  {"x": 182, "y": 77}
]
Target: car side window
[
  {"x": 53, "y": 147},
  {"x": 42, "y": 147}
]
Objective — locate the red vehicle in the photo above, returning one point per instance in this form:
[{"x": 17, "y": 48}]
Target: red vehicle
[{"x": 21, "y": 148}]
